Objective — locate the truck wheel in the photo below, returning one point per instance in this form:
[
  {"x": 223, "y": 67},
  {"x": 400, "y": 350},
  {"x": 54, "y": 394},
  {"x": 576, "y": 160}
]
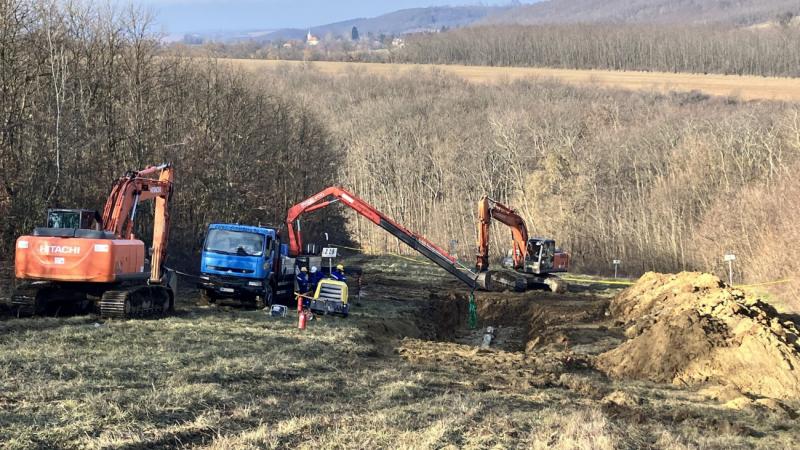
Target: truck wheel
[{"x": 264, "y": 300}]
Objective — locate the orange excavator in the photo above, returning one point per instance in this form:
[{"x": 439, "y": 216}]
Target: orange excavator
[
  {"x": 428, "y": 249},
  {"x": 534, "y": 260},
  {"x": 82, "y": 257}
]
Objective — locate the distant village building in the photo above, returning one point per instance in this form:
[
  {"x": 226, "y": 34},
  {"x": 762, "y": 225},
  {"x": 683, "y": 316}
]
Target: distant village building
[
  {"x": 398, "y": 42},
  {"x": 312, "y": 40}
]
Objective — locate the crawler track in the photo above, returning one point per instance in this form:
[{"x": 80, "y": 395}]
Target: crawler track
[
  {"x": 509, "y": 280},
  {"x": 24, "y": 302},
  {"x": 136, "y": 302}
]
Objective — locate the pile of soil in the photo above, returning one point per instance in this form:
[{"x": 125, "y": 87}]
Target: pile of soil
[{"x": 690, "y": 329}]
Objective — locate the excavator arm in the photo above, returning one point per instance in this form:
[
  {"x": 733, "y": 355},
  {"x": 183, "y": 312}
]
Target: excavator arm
[
  {"x": 489, "y": 209},
  {"x": 428, "y": 249},
  {"x": 119, "y": 213}
]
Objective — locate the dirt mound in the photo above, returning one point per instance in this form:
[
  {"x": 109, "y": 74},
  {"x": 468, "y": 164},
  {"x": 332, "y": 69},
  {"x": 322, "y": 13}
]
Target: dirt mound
[{"x": 691, "y": 329}]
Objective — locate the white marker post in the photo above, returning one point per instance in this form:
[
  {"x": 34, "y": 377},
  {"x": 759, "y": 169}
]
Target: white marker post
[
  {"x": 330, "y": 253},
  {"x": 616, "y": 263},
  {"x": 730, "y": 258}
]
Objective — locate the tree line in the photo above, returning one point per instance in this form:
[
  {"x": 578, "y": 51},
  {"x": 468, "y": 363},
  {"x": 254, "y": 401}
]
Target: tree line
[
  {"x": 86, "y": 96},
  {"x": 769, "y": 51}
]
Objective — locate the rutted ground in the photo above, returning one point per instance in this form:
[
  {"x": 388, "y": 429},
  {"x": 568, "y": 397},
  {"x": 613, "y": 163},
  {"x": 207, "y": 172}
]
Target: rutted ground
[{"x": 402, "y": 372}]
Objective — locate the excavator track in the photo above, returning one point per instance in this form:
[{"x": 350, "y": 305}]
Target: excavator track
[
  {"x": 136, "y": 302},
  {"x": 28, "y": 300},
  {"x": 507, "y": 280},
  {"x": 510, "y": 280},
  {"x": 24, "y": 303}
]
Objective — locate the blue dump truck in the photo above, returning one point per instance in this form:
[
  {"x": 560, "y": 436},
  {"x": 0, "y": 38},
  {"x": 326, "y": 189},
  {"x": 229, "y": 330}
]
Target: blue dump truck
[{"x": 246, "y": 263}]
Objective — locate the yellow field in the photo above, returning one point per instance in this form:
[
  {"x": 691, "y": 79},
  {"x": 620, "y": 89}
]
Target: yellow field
[{"x": 742, "y": 87}]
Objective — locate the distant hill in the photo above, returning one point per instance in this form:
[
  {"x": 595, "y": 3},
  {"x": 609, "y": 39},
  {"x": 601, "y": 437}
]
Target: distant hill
[
  {"x": 398, "y": 22},
  {"x": 737, "y": 12},
  {"x": 405, "y": 21}
]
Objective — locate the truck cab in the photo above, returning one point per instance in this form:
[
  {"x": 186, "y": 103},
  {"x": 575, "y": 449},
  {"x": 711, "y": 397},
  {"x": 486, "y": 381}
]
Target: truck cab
[{"x": 246, "y": 263}]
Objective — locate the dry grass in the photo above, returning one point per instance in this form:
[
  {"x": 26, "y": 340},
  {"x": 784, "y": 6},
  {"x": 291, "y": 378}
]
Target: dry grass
[
  {"x": 742, "y": 87},
  {"x": 229, "y": 379}
]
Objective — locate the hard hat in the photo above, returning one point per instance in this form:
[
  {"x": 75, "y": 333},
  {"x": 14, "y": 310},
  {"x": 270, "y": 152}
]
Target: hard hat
[
  {"x": 304, "y": 269},
  {"x": 313, "y": 269},
  {"x": 340, "y": 266}
]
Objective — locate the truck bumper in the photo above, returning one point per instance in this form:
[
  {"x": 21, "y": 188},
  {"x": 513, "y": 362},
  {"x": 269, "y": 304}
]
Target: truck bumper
[{"x": 230, "y": 288}]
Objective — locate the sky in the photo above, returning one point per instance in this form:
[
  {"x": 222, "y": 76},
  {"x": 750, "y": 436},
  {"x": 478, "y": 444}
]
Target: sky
[{"x": 181, "y": 16}]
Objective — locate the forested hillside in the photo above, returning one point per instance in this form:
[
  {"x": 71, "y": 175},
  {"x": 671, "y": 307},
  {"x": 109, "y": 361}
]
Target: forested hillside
[
  {"x": 738, "y": 12},
  {"x": 86, "y": 98},
  {"x": 397, "y": 22}
]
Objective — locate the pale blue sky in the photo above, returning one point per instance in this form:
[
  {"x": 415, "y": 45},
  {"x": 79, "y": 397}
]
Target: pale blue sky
[{"x": 178, "y": 16}]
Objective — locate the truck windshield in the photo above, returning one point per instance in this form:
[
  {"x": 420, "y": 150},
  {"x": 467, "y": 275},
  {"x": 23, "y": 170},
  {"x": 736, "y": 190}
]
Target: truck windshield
[{"x": 239, "y": 243}]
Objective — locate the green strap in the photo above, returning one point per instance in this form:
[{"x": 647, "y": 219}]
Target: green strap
[{"x": 472, "y": 319}]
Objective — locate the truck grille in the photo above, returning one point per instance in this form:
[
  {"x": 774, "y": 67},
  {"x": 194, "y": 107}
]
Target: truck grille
[{"x": 230, "y": 270}]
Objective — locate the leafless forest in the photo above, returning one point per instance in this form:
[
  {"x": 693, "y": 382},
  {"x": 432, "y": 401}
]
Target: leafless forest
[
  {"x": 661, "y": 182},
  {"x": 738, "y": 12},
  {"x": 772, "y": 51},
  {"x": 86, "y": 97}
]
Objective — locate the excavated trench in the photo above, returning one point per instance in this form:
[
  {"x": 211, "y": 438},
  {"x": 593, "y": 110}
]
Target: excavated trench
[
  {"x": 540, "y": 339},
  {"x": 522, "y": 322},
  {"x": 686, "y": 329}
]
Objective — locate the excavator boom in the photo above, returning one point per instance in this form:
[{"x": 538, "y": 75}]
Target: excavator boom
[
  {"x": 428, "y": 249},
  {"x": 120, "y": 209},
  {"x": 489, "y": 209}
]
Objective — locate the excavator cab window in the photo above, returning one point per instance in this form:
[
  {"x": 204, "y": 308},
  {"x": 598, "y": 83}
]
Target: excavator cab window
[
  {"x": 534, "y": 250},
  {"x": 548, "y": 253},
  {"x": 541, "y": 255},
  {"x": 72, "y": 218}
]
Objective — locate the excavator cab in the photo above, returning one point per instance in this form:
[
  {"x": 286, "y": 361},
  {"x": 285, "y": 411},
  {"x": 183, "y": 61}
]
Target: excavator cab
[
  {"x": 543, "y": 257},
  {"x": 83, "y": 219}
]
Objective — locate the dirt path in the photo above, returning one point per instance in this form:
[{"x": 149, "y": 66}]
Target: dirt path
[{"x": 743, "y": 87}]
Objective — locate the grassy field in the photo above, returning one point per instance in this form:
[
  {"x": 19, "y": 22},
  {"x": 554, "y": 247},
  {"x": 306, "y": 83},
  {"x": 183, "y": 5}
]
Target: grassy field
[
  {"x": 742, "y": 87},
  {"x": 401, "y": 372}
]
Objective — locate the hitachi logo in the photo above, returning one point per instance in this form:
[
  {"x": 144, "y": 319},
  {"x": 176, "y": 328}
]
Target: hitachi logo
[{"x": 45, "y": 249}]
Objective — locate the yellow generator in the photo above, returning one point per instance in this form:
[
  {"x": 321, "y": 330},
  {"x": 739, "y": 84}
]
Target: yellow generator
[{"x": 330, "y": 298}]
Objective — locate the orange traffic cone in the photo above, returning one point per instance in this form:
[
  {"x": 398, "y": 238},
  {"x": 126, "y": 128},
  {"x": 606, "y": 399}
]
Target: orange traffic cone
[{"x": 301, "y": 324}]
